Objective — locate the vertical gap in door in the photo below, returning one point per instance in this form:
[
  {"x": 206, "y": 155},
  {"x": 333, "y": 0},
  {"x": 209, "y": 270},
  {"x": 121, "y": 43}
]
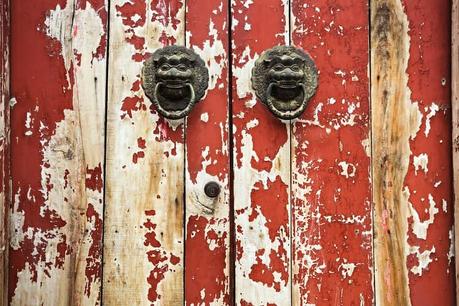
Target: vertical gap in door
[
  {"x": 232, "y": 255},
  {"x": 104, "y": 167},
  {"x": 290, "y": 197},
  {"x": 371, "y": 152},
  {"x": 184, "y": 174}
]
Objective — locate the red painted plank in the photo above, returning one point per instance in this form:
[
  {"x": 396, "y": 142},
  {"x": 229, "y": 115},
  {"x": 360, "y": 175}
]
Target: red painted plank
[
  {"x": 261, "y": 162},
  {"x": 455, "y": 126},
  {"x": 331, "y": 195},
  {"x": 207, "y": 244},
  {"x": 429, "y": 177},
  {"x": 4, "y": 147},
  {"x": 58, "y": 85}
]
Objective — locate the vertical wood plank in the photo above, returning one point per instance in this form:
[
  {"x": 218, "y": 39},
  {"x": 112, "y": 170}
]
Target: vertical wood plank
[
  {"x": 58, "y": 87},
  {"x": 455, "y": 126},
  {"x": 411, "y": 141},
  {"x": 331, "y": 192},
  {"x": 261, "y": 162},
  {"x": 4, "y": 147},
  {"x": 207, "y": 244},
  {"x": 143, "y": 242}
]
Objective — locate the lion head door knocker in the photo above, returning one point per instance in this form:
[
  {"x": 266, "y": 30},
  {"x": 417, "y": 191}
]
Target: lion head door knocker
[
  {"x": 175, "y": 78},
  {"x": 284, "y": 79}
]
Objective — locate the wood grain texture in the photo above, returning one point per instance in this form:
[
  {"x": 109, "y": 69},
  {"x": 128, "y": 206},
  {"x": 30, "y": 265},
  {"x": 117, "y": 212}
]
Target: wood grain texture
[
  {"x": 4, "y": 147},
  {"x": 144, "y": 228},
  {"x": 207, "y": 244},
  {"x": 331, "y": 186},
  {"x": 412, "y": 192},
  {"x": 261, "y": 162},
  {"x": 455, "y": 125},
  {"x": 58, "y": 106}
]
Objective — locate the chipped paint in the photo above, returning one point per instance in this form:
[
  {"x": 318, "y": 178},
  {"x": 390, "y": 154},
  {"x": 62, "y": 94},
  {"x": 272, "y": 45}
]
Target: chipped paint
[
  {"x": 57, "y": 213},
  {"x": 5, "y": 106},
  {"x": 331, "y": 199},
  {"x": 145, "y": 164},
  {"x": 411, "y": 164},
  {"x": 262, "y": 163},
  {"x": 207, "y": 227}
]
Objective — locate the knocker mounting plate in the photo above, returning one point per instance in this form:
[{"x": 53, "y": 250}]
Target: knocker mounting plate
[
  {"x": 174, "y": 78},
  {"x": 284, "y": 79}
]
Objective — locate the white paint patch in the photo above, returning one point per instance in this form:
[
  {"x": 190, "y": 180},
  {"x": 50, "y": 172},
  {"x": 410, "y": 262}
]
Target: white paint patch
[
  {"x": 421, "y": 162},
  {"x": 415, "y": 119},
  {"x": 444, "y": 206},
  {"x": 347, "y": 169},
  {"x": 433, "y": 111},
  {"x": 451, "y": 251},
  {"x": 213, "y": 53},
  {"x": 347, "y": 269},
  {"x": 424, "y": 259},
  {"x": 205, "y": 117},
  {"x": 243, "y": 73},
  {"x": 419, "y": 228}
]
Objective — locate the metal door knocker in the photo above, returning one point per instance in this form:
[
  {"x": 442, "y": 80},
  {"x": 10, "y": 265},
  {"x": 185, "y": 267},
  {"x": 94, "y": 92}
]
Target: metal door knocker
[
  {"x": 284, "y": 79},
  {"x": 174, "y": 78}
]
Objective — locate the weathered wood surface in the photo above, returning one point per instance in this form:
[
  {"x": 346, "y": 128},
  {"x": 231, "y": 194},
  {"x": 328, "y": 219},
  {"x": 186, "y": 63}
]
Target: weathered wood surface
[
  {"x": 146, "y": 218},
  {"x": 455, "y": 125},
  {"x": 58, "y": 87},
  {"x": 261, "y": 162},
  {"x": 144, "y": 227},
  {"x": 411, "y": 141},
  {"x": 207, "y": 244},
  {"x": 302, "y": 189},
  {"x": 331, "y": 186},
  {"x": 4, "y": 148}
]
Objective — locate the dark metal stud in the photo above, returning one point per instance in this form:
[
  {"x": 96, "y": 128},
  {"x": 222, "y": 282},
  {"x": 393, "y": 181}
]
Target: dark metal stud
[{"x": 212, "y": 189}]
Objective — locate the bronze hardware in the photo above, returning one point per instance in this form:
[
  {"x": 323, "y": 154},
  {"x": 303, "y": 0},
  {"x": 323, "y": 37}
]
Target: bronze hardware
[
  {"x": 174, "y": 78},
  {"x": 284, "y": 79}
]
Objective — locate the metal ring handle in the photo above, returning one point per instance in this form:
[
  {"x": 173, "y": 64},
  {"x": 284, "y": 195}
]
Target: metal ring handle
[
  {"x": 170, "y": 114},
  {"x": 284, "y": 79},
  {"x": 175, "y": 78}
]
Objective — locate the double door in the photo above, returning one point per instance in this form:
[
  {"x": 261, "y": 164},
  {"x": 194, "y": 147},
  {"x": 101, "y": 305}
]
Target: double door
[{"x": 348, "y": 204}]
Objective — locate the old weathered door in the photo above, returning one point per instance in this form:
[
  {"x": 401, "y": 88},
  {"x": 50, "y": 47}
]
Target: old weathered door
[{"x": 348, "y": 204}]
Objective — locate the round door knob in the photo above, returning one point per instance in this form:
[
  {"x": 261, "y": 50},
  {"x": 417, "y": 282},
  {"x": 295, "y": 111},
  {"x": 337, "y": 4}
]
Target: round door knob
[{"x": 212, "y": 189}]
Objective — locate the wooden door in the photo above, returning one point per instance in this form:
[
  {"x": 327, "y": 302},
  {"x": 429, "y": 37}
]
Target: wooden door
[{"x": 349, "y": 204}]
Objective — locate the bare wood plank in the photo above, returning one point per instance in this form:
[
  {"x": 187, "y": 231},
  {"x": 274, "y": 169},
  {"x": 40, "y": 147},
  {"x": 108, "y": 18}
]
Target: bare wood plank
[
  {"x": 207, "y": 245},
  {"x": 58, "y": 89},
  {"x": 412, "y": 192},
  {"x": 4, "y": 147},
  {"x": 261, "y": 162},
  {"x": 455, "y": 126},
  {"x": 144, "y": 243},
  {"x": 331, "y": 188}
]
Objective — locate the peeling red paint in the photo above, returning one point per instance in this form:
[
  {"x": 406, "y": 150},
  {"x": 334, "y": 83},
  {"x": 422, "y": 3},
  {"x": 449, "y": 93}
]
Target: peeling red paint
[
  {"x": 165, "y": 12},
  {"x": 94, "y": 179},
  {"x": 430, "y": 81},
  {"x": 160, "y": 260},
  {"x": 207, "y": 158},
  {"x": 331, "y": 196},
  {"x": 261, "y": 148},
  {"x": 94, "y": 260},
  {"x": 203, "y": 244},
  {"x": 133, "y": 103},
  {"x": 46, "y": 93}
]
